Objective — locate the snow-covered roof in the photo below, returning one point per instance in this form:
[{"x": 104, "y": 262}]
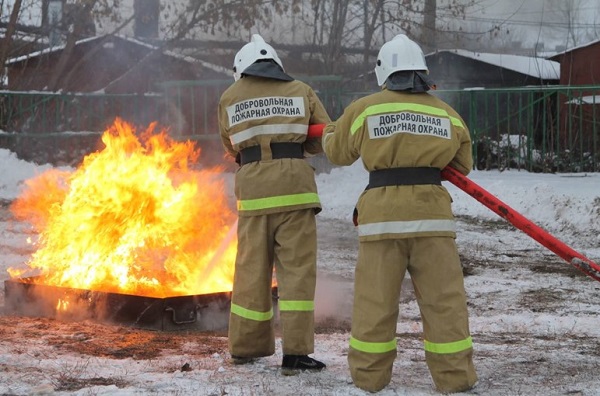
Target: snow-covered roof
[
  {"x": 45, "y": 51},
  {"x": 590, "y": 99},
  {"x": 532, "y": 66},
  {"x": 208, "y": 65},
  {"x": 24, "y": 36},
  {"x": 574, "y": 48}
]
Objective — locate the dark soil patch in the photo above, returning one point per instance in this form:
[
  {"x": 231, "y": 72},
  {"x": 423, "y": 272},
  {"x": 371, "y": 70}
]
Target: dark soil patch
[
  {"x": 73, "y": 384},
  {"x": 542, "y": 300},
  {"x": 556, "y": 267},
  {"x": 94, "y": 339}
]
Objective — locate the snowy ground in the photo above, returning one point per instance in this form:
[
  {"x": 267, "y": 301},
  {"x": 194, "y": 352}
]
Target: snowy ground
[{"x": 534, "y": 318}]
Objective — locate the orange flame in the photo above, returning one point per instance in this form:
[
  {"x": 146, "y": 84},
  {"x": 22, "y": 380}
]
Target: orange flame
[{"x": 132, "y": 219}]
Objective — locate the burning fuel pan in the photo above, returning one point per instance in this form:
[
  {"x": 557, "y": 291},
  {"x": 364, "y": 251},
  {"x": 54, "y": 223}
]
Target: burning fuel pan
[{"x": 203, "y": 312}]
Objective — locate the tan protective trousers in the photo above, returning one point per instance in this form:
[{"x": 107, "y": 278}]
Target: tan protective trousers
[
  {"x": 288, "y": 240},
  {"x": 436, "y": 273}
]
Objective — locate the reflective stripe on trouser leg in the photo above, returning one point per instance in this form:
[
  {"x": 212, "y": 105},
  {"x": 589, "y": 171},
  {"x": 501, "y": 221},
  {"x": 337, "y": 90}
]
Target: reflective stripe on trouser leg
[
  {"x": 378, "y": 278},
  {"x": 295, "y": 267},
  {"x": 250, "y": 322},
  {"x": 437, "y": 276}
]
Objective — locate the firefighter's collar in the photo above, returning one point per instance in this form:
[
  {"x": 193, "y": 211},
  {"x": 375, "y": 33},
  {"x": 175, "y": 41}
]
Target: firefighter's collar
[
  {"x": 410, "y": 80},
  {"x": 267, "y": 70}
]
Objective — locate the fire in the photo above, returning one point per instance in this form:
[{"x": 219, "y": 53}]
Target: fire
[{"x": 134, "y": 218}]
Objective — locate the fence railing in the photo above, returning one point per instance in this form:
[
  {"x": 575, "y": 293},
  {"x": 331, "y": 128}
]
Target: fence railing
[
  {"x": 541, "y": 129},
  {"x": 63, "y": 127}
]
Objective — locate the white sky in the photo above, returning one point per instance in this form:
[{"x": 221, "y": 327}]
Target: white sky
[
  {"x": 30, "y": 11},
  {"x": 558, "y": 343},
  {"x": 565, "y": 23}
]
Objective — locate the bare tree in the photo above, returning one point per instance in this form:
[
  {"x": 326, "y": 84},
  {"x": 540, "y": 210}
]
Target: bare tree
[
  {"x": 566, "y": 20},
  {"x": 367, "y": 23},
  {"x": 428, "y": 35},
  {"x": 77, "y": 24},
  {"x": 192, "y": 18},
  {"x": 372, "y": 13},
  {"x": 11, "y": 27},
  {"x": 332, "y": 52},
  {"x": 329, "y": 26}
]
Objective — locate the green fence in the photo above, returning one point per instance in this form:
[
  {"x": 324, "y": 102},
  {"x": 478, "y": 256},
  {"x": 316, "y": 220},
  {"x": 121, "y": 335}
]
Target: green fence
[
  {"x": 62, "y": 128},
  {"x": 541, "y": 129}
]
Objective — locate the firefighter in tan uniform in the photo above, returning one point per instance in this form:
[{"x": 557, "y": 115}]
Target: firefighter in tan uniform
[
  {"x": 404, "y": 137},
  {"x": 263, "y": 122}
]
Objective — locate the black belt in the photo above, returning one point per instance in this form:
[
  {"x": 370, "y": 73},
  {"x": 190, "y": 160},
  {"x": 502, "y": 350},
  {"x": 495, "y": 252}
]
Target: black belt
[
  {"x": 278, "y": 151},
  {"x": 404, "y": 177}
]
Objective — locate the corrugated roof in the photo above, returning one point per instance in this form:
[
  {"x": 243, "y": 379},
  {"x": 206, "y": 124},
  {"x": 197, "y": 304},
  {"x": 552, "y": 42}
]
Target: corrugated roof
[{"x": 532, "y": 66}]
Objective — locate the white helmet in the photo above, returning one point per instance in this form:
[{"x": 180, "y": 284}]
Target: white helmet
[
  {"x": 400, "y": 53},
  {"x": 255, "y": 50}
]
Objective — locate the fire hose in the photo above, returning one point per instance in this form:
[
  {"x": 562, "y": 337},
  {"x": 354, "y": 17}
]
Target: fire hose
[{"x": 483, "y": 196}]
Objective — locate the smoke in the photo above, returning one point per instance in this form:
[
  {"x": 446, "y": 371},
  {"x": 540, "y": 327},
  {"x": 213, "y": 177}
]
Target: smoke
[
  {"x": 214, "y": 316},
  {"x": 333, "y": 299}
]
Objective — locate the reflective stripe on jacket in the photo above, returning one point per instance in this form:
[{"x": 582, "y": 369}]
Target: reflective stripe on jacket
[{"x": 392, "y": 129}]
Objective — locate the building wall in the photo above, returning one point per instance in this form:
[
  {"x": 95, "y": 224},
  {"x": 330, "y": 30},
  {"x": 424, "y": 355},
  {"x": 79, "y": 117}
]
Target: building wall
[
  {"x": 579, "y": 120},
  {"x": 111, "y": 67},
  {"x": 94, "y": 66},
  {"x": 580, "y": 66}
]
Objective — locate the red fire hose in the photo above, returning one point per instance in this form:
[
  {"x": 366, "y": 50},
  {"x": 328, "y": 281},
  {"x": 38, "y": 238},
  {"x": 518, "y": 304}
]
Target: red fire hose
[{"x": 562, "y": 250}]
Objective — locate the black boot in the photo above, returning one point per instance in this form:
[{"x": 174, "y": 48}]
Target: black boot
[{"x": 291, "y": 364}]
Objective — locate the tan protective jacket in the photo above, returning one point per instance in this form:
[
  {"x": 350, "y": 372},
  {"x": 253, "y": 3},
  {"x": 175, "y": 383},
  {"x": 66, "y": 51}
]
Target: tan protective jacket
[
  {"x": 258, "y": 111},
  {"x": 392, "y": 129}
]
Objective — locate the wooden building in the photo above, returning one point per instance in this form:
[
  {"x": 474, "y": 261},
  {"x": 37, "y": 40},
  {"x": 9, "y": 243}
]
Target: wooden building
[
  {"x": 580, "y": 105},
  {"x": 111, "y": 65},
  {"x": 580, "y": 65},
  {"x": 85, "y": 86},
  {"x": 106, "y": 64}
]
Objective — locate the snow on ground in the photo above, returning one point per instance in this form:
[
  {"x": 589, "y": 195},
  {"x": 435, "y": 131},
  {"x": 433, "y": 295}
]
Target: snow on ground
[{"x": 534, "y": 318}]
